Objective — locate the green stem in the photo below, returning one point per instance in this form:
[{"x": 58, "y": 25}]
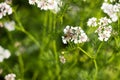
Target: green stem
[
  {"x": 85, "y": 53},
  {"x": 20, "y": 59},
  {"x": 35, "y": 75},
  {"x": 31, "y": 37},
  {"x": 54, "y": 22},
  {"x": 96, "y": 67},
  {"x": 21, "y": 28},
  {"x": 50, "y": 21},
  {"x": 95, "y": 63},
  {"x": 56, "y": 58},
  {"x": 99, "y": 48},
  {"x": 118, "y": 24}
]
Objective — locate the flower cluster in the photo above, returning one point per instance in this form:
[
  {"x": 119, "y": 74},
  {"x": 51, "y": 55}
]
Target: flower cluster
[
  {"x": 111, "y": 10},
  {"x": 4, "y": 54},
  {"x": 10, "y": 26},
  {"x": 10, "y": 76},
  {"x": 92, "y": 22},
  {"x": 104, "y": 21},
  {"x": 104, "y": 32},
  {"x": 62, "y": 59},
  {"x": 104, "y": 28},
  {"x": 5, "y": 9},
  {"x": 53, "y": 5},
  {"x": 74, "y": 34}
]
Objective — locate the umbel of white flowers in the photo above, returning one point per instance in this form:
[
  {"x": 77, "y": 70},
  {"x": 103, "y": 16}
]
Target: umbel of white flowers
[
  {"x": 10, "y": 76},
  {"x": 111, "y": 10},
  {"x": 4, "y": 54},
  {"x": 53, "y": 5},
  {"x": 74, "y": 34},
  {"x": 5, "y": 9},
  {"x": 9, "y": 25},
  {"x": 104, "y": 28}
]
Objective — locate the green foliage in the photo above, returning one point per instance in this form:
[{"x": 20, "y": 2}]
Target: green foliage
[{"x": 39, "y": 34}]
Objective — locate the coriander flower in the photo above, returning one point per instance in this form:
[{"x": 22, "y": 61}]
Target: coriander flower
[
  {"x": 5, "y": 9},
  {"x": 32, "y": 2},
  {"x": 10, "y": 76},
  {"x": 74, "y": 34},
  {"x": 4, "y": 54},
  {"x": 114, "y": 17},
  {"x": 43, "y": 4},
  {"x": 111, "y": 10},
  {"x": 62, "y": 59},
  {"x": 104, "y": 21},
  {"x": 53, "y": 5},
  {"x": 10, "y": 26},
  {"x": 68, "y": 32},
  {"x": 92, "y": 22},
  {"x": 104, "y": 33}
]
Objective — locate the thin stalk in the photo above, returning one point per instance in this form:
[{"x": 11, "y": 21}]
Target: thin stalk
[
  {"x": 21, "y": 63},
  {"x": 45, "y": 23},
  {"x": 118, "y": 24},
  {"x": 50, "y": 22},
  {"x": 21, "y": 28},
  {"x": 35, "y": 75},
  {"x": 85, "y": 53},
  {"x": 96, "y": 67},
  {"x": 54, "y": 23},
  {"x": 31, "y": 37},
  {"x": 56, "y": 58},
  {"x": 99, "y": 48},
  {"x": 95, "y": 63}
]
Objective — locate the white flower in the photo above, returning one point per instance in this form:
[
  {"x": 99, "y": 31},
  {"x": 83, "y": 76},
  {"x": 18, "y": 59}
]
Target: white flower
[
  {"x": 108, "y": 29},
  {"x": 10, "y": 26},
  {"x": 104, "y": 21},
  {"x": 1, "y": 58},
  {"x": 74, "y": 34},
  {"x": 92, "y": 22},
  {"x": 104, "y": 33},
  {"x": 107, "y": 8},
  {"x": 114, "y": 17},
  {"x": 43, "y": 5},
  {"x": 32, "y": 2},
  {"x": 83, "y": 38},
  {"x": 4, "y": 54},
  {"x": 68, "y": 29},
  {"x": 10, "y": 76},
  {"x": 65, "y": 40},
  {"x": 53, "y": 5},
  {"x": 116, "y": 8},
  {"x": 5, "y": 9},
  {"x": 62, "y": 59},
  {"x": 104, "y": 36},
  {"x": 111, "y": 10}
]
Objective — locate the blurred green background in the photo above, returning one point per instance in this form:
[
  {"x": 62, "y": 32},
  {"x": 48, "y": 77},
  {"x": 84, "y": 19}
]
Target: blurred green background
[{"x": 41, "y": 62}]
